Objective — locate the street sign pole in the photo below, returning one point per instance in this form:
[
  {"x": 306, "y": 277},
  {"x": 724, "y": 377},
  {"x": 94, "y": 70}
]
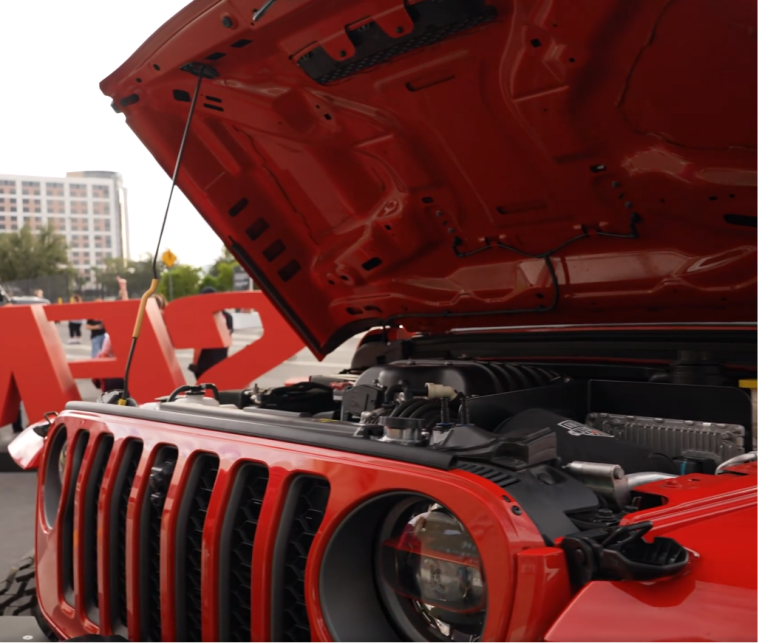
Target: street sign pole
[{"x": 169, "y": 259}]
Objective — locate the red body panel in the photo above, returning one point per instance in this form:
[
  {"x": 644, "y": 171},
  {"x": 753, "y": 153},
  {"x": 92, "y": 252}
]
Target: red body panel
[
  {"x": 527, "y": 582},
  {"x": 715, "y": 600},
  {"x": 551, "y": 118}
]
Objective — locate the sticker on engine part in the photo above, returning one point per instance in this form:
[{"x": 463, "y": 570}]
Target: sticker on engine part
[{"x": 575, "y": 428}]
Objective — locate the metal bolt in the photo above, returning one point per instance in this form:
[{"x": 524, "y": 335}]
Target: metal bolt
[
  {"x": 399, "y": 30},
  {"x": 615, "y": 184},
  {"x": 227, "y": 22},
  {"x": 343, "y": 53},
  {"x": 439, "y": 213},
  {"x": 517, "y": 511},
  {"x": 628, "y": 204}
]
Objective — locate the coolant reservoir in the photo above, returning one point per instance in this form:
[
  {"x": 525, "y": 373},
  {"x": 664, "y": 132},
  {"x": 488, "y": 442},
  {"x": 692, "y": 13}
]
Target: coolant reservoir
[{"x": 195, "y": 398}]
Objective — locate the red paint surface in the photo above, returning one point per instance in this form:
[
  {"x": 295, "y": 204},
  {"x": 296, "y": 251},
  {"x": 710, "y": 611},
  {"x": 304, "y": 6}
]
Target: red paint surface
[
  {"x": 32, "y": 365},
  {"x": 498, "y": 135},
  {"x": 527, "y": 582},
  {"x": 194, "y": 322},
  {"x": 154, "y": 368},
  {"x": 34, "y": 369},
  {"x": 714, "y": 600}
]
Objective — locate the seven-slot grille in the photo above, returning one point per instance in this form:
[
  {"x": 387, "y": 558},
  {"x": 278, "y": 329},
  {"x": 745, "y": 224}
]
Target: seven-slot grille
[
  {"x": 147, "y": 493},
  {"x": 301, "y": 519},
  {"x": 239, "y": 532}
]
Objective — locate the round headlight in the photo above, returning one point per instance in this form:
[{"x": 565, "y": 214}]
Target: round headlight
[{"x": 430, "y": 571}]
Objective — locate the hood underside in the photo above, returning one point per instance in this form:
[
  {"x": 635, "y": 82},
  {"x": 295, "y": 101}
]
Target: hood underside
[{"x": 445, "y": 164}]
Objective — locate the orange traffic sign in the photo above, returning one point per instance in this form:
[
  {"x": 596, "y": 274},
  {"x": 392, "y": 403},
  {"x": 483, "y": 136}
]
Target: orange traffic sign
[{"x": 169, "y": 258}]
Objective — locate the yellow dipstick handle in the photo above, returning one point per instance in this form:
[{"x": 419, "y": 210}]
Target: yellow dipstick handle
[{"x": 141, "y": 311}]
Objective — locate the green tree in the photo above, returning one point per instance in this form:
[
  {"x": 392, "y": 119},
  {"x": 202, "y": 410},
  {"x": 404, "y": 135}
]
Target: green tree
[
  {"x": 27, "y": 255},
  {"x": 138, "y": 274},
  {"x": 221, "y": 275},
  {"x": 184, "y": 282}
]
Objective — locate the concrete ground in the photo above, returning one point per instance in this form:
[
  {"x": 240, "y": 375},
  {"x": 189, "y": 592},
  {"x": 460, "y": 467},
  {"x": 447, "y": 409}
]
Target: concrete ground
[{"x": 17, "y": 490}]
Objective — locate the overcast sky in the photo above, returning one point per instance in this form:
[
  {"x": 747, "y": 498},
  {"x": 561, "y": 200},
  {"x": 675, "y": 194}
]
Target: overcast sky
[{"x": 54, "y": 119}]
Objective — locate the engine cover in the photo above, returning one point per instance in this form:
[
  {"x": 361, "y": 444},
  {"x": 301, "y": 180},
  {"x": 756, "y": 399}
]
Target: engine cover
[{"x": 465, "y": 376}]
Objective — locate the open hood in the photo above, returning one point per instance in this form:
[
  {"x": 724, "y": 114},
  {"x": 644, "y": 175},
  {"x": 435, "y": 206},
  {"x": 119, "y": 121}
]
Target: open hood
[{"x": 415, "y": 163}]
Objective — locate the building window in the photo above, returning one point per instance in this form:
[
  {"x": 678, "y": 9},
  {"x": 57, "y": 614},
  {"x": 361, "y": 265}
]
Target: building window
[
  {"x": 32, "y": 205},
  {"x": 108, "y": 243},
  {"x": 79, "y": 207},
  {"x": 100, "y": 192},
  {"x": 78, "y": 190},
  {"x": 7, "y": 187},
  {"x": 30, "y": 187},
  {"x": 34, "y": 222},
  {"x": 54, "y": 189},
  {"x": 59, "y": 223},
  {"x": 101, "y": 207},
  {"x": 56, "y": 206},
  {"x": 7, "y": 205},
  {"x": 79, "y": 224}
]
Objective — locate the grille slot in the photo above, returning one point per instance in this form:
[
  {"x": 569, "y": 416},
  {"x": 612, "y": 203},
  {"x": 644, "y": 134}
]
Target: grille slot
[
  {"x": 118, "y": 533},
  {"x": 150, "y": 542},
  {"x": 89, "y": 543},
  {"x": 192, "y": 518},
  {"x": 236, "y": 552},
  {"x": 301, "y": 518},
  {"x": 67, "y": 530}
]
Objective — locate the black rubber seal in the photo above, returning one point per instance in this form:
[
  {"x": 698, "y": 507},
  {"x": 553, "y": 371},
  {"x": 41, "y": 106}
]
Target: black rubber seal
[{"x": 282, "y": 429}]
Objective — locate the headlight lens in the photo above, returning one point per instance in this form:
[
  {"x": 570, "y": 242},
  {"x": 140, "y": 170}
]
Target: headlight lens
[{"x": 433, "y": 573}]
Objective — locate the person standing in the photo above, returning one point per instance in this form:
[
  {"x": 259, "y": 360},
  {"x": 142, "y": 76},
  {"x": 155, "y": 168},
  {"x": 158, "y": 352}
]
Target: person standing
[
  {"x": 97, "y": 335},
  {"x": 75, "y": 327},
  {"x": 207, "y": 357}
]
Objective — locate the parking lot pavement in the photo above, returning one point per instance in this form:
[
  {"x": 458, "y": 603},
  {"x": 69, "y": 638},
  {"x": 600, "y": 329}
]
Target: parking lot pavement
[
  {"x": 17, "y": 497},
  {"x": 17, "y": 490}
]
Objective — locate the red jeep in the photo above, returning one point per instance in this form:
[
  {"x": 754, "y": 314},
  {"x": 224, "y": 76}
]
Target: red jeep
[{"x": 544, "y": 215}]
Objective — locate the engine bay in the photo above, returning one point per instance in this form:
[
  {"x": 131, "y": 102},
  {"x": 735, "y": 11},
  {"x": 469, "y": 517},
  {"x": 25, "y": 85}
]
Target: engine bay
[{"x": 572, "y": 450}]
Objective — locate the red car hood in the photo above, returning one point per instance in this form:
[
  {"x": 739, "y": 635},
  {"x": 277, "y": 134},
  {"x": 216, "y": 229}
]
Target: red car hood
[{"x": 355, "y": 156}]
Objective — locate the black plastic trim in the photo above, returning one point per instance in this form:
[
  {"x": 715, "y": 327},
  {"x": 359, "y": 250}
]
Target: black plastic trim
[
  {"x": 281, "y": 429},
  {"x": 122, "y": 488},
  {"x": 192, "y": 517},
  {"x": 232, "y": 605},
  {"x": 90, "y": 530},
  {"x": 348, "y": 580},
  {"x": 434, "y": 21},
  {"x": 292, "y": 604},
  {"x": 67, "y": 526},
  {"x": 151, "y": 622}
]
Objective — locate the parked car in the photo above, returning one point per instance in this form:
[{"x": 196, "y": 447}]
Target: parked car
[
  {"x": 544, "y": 215},
  {"x": 6, "y": 298}
]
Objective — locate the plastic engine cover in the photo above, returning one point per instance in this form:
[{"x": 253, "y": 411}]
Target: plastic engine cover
[{"x": 467, "y": 377}]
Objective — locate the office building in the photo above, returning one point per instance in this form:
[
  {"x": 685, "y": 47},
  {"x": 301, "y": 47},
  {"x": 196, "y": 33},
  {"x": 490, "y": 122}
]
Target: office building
[{"x": 87, "y": 208}]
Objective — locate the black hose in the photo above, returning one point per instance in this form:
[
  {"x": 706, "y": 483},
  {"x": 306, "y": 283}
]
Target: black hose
[{"x": 410, "y": 411}]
